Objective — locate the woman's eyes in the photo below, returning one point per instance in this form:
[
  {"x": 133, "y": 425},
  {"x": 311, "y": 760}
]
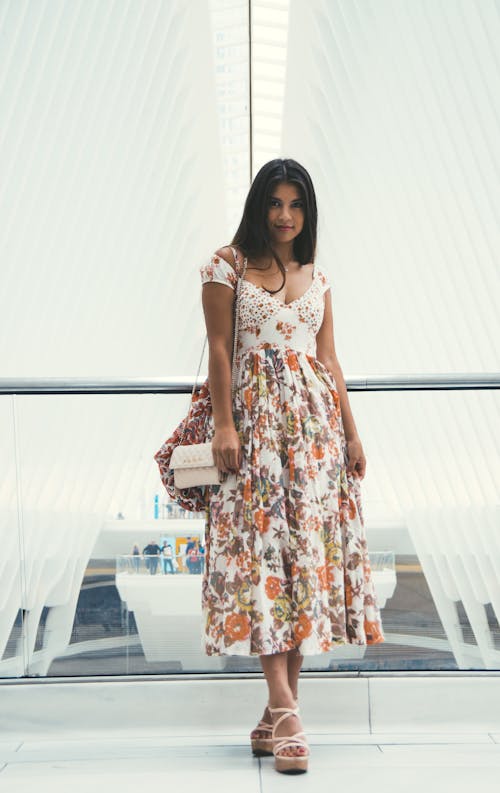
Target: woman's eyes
[{"x": 274, "y": 201}]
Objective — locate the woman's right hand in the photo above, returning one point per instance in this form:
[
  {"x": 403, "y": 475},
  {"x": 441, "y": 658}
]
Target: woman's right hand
[{"x": 226, "y": 448}]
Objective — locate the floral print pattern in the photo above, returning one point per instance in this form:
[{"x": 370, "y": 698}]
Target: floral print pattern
[{"x": 286, "y": 558}]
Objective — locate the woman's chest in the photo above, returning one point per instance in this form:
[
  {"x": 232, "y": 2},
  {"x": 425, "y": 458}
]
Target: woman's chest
[{"x": 261, "y": 312}]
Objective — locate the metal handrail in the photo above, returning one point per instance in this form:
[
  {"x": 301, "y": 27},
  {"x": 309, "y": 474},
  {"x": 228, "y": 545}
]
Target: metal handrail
[{"x": 183, "y": 385}]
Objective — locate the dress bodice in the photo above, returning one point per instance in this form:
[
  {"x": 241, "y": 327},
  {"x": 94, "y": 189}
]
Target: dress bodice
[{"x": 266, "y": 320}]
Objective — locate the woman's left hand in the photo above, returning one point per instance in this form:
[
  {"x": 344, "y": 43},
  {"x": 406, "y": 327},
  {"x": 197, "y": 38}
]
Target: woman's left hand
[{"x": 356, "y": 458}]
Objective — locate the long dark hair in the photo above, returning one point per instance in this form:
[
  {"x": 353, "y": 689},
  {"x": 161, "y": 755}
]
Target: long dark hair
[{"x": 252, "y": 236}]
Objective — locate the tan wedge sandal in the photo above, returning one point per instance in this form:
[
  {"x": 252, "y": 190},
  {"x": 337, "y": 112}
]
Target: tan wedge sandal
[
  {"x": 262, "y": 746},
  {"x": 288, "y": 764}
]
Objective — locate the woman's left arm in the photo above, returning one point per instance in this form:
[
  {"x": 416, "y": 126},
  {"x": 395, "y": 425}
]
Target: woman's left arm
[{"x": 325, "y": 352}]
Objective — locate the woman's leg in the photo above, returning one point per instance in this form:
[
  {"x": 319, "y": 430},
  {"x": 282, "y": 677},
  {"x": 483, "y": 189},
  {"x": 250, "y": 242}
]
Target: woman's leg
[
  {"x": 282, "y": 693},
  {"x": 294, "y": 664}
]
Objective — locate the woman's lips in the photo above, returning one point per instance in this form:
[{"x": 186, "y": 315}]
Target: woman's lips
[{"x": 285, "y": 228}]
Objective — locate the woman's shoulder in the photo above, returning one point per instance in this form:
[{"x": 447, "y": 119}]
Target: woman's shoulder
[
  {"x": 227, "y": 254},
  {"x": 221, "y": 267},
  {"x": 321, "y": 277}
]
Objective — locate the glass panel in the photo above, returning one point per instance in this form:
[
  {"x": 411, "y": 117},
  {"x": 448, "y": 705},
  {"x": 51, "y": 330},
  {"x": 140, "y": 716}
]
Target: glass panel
[
  {"x": 12, "y": 595},
  {"x": 110, "y": 588}
]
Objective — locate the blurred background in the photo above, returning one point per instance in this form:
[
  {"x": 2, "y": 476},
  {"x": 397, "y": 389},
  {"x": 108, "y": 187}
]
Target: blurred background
[{"x": 130, "y": 133}]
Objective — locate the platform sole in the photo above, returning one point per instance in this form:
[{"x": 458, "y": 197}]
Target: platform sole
[
  {"x": 262, "y": 747},
  {"x": 291, "y": 765}
]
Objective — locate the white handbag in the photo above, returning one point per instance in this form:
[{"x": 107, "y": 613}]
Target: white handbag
[{"x": 193, "y": 464}]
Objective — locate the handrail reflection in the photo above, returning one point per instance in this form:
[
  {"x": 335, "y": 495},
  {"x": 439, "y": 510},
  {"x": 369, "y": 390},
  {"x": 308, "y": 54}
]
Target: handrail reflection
[{"x": 176, "y": 385}]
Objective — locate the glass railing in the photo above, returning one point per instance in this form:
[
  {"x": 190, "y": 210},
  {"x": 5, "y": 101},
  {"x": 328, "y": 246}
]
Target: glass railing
[
  {"x": 81, "y": 499},
  {"x": 159, "y": 564}
]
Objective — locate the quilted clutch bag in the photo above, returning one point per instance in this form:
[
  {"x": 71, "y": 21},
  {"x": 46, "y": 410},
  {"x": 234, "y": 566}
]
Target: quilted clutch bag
[{"x": 194, "y": 465}]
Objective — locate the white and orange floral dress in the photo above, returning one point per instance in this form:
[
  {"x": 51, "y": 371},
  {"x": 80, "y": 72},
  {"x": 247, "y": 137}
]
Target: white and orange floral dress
[{"x": 286, "y": 559}]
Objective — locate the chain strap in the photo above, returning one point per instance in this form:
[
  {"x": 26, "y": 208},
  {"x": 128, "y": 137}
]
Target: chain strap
[{"x": 235, "y": 343}]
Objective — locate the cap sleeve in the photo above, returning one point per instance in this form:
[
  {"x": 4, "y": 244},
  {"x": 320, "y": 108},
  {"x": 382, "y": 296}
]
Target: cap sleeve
[
  {"x": 323, "y": 280},
  {"x": 218, "y": 270}
]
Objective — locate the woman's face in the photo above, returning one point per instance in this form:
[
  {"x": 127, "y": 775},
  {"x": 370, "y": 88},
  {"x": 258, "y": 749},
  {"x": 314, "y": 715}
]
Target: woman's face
[{"x": 285, "y": 213}]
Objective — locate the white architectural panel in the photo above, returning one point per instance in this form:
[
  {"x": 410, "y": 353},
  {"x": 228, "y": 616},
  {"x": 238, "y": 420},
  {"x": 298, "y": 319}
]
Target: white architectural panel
[
  {"x": 394, "y": 108},
  {"x": 111, "y": 193}
]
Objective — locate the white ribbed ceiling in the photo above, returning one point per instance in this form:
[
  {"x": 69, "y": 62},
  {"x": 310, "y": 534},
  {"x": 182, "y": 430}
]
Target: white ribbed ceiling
[{"x": 111, "y": 193}]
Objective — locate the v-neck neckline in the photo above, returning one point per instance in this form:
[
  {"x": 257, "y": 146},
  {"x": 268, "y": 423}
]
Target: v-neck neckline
[{"x": 276, "y": 299}]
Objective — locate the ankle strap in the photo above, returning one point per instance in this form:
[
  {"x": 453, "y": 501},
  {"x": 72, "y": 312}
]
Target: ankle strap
[
  {"x": 295, "y": 711},
  {"x": 286, "y": 713}
]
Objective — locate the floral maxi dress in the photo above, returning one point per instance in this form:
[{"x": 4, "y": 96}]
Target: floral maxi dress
[{"x": 286, "y": 559}]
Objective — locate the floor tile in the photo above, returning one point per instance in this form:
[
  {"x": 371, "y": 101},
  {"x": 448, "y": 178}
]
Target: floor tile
[
  {"x": 385, "y": 762},
  {"x": 9, "y": 746},
  {"x": 380, "y": 777},
  {"x": 217, "y": 770},
  {"x": 459, "y": 756}
]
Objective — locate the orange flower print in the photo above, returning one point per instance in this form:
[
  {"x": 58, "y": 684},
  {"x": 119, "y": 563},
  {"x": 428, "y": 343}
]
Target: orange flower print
[
  {"x": 285, "y": 328},
  {"x": 247, "y": 490},
  {"x": 237, "y": 627},
  {"x": 348, "y": 592},
  {"x": 352, "y": 509},
  {"x": 248, "y": 397},
  {"x": 325, "y": 576},
  {"x": 273, "y": 587},
  {"x": 314, "y": 524},
  {"x": 224, "y": 526},
  {"x": 312, "y": 472},
  {"x": 262, "y": 521},
  {"x": 243, "y": 562},
  {"x": 373, "y": 633},
  {"x": 303, "y": 627},
  {"x": 318, "y": 451},
  {"x": 262, "y": 423},
  {"x": 292, "y": 361}
]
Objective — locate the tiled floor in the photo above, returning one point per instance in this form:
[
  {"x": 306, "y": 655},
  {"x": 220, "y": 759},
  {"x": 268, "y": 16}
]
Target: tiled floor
[{"x": 356, "y": 762}]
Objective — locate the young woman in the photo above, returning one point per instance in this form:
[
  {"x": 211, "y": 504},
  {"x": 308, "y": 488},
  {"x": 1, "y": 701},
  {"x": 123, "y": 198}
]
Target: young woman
[{"x": 287, "y": 572}]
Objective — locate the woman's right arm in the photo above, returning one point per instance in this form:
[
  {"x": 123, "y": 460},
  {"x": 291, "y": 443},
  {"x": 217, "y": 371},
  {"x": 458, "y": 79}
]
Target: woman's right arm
[{"x": 217, "y": 301}]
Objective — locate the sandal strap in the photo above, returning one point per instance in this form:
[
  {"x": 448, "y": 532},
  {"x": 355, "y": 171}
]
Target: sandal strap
[
  {"x": 286, "y": 712},
  {"x": 290, "y": 741},
  {"x": 263, "y": 726}
]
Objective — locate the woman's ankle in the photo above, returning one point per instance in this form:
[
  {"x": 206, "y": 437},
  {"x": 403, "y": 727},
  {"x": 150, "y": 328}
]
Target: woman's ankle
[{"x": 283, "y": 700}]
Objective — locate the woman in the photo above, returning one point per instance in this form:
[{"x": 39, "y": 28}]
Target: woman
[{"x": 287, "y": 572}]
